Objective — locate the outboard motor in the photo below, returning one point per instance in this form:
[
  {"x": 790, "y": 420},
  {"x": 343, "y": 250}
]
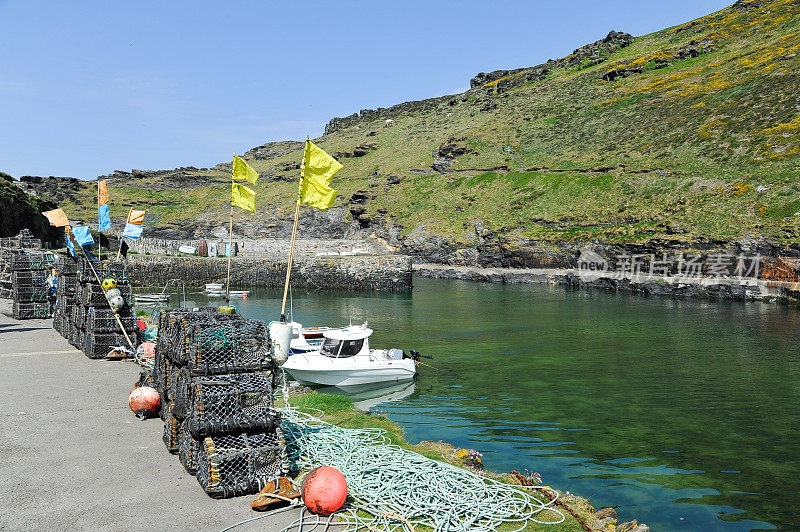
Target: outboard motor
[{"x": 415, "y": 355}]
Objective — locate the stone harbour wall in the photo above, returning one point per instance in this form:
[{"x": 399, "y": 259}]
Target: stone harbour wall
[
  {"x": 730, "y": 289},
  {"x": 392, "y": 273}
]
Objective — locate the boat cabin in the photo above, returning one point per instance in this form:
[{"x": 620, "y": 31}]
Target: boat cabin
[{"x": 347, "y": 342}]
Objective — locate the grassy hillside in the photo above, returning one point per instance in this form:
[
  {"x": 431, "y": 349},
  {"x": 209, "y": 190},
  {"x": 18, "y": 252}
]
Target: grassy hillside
[{"x": 692, "y": 132}]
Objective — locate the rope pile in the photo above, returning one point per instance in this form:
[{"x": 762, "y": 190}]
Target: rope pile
[{"x": 400, "y": 489}]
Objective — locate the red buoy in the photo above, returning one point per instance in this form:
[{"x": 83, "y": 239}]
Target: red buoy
[
  {"x": 324, "y": 490},
  {"x": 145, "y": 402}
]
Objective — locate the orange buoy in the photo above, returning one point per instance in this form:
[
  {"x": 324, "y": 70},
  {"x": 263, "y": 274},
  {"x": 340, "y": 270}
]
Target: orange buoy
[
  {"x": 324, "y": 490},
  {"x": 145, "y": 402}
]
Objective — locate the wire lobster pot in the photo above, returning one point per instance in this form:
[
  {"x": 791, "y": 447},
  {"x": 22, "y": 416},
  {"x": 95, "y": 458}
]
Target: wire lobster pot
[
  {"x": 226, "y": 404},
  {"x": 230, "y": 466}
]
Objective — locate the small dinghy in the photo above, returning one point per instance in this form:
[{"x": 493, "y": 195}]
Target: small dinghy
[
  {"x": 151, "y": 298},
  {"x": 238, "y": 293},
  {"x": 345, "y": 359},
  {"x": 302, "y": 343},
  {"x": 189, "y": 250}
]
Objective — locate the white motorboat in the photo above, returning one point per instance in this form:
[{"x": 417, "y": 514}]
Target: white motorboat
[
  {"x": 211, "y": 287},
  {"x": 345, "y": 359},
  {"x": 238, "y": 293}
]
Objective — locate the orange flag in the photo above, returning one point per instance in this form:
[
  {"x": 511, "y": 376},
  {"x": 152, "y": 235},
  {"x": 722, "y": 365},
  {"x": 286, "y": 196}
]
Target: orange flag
[{"x": 57, "y": 217}]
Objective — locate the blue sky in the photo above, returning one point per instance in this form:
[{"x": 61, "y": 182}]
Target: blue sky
[{"x": 90, "y": 87}]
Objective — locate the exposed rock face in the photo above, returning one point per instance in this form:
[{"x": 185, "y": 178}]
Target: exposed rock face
[
  {"x": 585, "y": 56},
  {"x": 21, "y": 211},
  {"x": 270, "y": 150}
]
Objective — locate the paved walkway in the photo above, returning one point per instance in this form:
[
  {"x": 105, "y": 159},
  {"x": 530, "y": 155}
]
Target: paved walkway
[{"x": 74, "y": 457}]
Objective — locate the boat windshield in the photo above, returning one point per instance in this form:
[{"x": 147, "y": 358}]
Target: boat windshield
[{"x": 331, "y": 347}]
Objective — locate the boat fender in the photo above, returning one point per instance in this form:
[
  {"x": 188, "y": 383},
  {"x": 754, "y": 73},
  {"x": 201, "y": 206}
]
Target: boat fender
[
  {"x": 116, "y": 303},
  {"x": 114, "y": 292},
  {"x": 145, "y": 402},
  {"x": 280, "y": 333},
  {"x": 324, "y": 490}
]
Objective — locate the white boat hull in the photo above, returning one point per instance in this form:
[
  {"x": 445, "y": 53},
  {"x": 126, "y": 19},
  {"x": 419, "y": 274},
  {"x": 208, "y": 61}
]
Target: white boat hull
[{"x": 318, "y": 369}]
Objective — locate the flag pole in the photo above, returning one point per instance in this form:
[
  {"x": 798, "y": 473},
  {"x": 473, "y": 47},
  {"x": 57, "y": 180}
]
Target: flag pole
[
  {"x": 294, "y": 235},
  {"x": 120, "y": 238},
  {"x": 99, "y": 245},
  {"x": 230, "y": 253},
  {"x": 291, "y": 256}
]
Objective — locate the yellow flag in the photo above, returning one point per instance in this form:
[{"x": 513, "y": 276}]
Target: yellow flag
[
  {"x": 242, "y": 170},
  {"x": 319, "y": 165},
  {"x": 316, "y": 194},
  {"x": 57, "y": 218},
  {"x": 243, "y": 197},
  {"x": 318, "y": 170}
]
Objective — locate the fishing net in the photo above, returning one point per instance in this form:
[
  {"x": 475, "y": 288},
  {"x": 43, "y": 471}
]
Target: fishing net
[
  {"x": 172, "y": 428},
  {"x": 100, "y": 345},
  {"x": 101, "y": 320},
  {"x": 230, "y": 466},
  {"x": 226, "y": 404},
  {"x": 188, "y": 450},
  {"x": 228, "y": 347},
  {"x": 31, "y": 310},
  {"x": 103, "y": 269}
]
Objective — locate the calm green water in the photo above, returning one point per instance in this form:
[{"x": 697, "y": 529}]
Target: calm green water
[{"x": 682, "y": 414}]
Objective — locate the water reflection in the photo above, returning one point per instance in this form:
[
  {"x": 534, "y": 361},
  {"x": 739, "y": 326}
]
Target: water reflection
[{"x": 368, "y": 396}]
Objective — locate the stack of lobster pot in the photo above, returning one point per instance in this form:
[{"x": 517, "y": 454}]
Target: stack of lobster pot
[
  {"x": 217, "y": 376},
  {"x": 67, "y": 268},
  {"x": 6, "y": 253},
  {"x": 30, "y": 270},
  {"x": 95, "y": 328},
  {"x": 10, "y": 246}
]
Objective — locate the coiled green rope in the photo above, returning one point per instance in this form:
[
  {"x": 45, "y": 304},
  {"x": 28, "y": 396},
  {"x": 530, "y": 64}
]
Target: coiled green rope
[{"x": 396, "y": 490}]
